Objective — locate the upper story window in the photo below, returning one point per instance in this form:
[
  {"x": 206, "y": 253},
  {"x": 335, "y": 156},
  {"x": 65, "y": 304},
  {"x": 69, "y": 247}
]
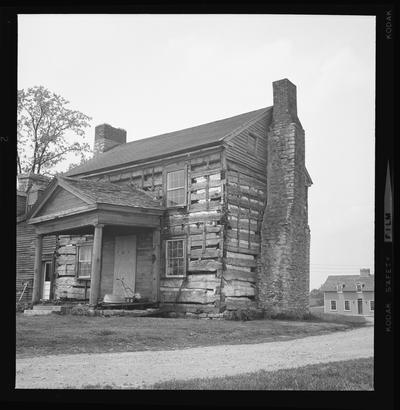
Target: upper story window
[
  {"x": 84, "y": 261},
  {"x": 371, "y": 305},
  {"x": 359, "y": 287},
  {"x": 251, "y": 144},
  {"x": 176, "y": 191},
  {"x": 340, "y": 287}
]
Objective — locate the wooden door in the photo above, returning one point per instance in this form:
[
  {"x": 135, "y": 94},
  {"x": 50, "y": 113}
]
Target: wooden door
[
  {"x": 46, "y": 280},
  {"x": 125, "y": 265},
  {"x": 360, "y": 306}
]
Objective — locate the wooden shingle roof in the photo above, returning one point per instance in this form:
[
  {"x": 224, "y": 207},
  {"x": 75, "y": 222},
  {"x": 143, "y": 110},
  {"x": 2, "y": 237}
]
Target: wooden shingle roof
[
  {"x": 112, "y": 194},
  {"x": 349, "y": 282},
  {"x": 209, "y": 134}
]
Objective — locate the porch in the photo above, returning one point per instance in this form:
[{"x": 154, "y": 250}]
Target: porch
[{"x": 119, "y": 255}]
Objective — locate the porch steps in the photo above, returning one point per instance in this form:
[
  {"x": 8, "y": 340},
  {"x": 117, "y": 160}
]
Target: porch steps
[{"x": 40, "y": 310}]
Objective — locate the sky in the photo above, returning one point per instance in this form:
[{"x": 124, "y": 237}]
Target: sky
[{"x": 152, "y": 74}]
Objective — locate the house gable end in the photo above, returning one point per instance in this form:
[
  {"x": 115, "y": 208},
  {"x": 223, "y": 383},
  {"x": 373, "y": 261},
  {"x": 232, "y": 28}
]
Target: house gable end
[
  {"x": 249, "y": 145},
  {"x": 60, "y": 200}
]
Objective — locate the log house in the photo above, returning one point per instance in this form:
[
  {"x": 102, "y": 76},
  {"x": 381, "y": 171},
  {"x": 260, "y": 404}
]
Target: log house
[{"x": 212, "y": 218}]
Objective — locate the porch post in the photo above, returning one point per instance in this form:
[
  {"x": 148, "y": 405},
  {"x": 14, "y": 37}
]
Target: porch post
[
  {"x": 156, "y": 265},
  {"x": 96, "y": 265},
  {"x": 37, "y": 273}
]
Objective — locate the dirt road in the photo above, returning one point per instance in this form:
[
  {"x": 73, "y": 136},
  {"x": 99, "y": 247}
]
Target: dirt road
[{"x": 137, "y": 370}]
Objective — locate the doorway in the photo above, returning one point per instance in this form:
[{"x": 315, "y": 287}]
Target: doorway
[
  {"x": 360, "y": 306},
  {"x": 46, "y": 271},
  {"x": 124, "y": 266}
]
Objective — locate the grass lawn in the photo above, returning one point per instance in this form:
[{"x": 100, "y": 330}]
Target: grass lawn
[
  {"x": 344, "y": 375},
  {"x": 59, "y": 334}
]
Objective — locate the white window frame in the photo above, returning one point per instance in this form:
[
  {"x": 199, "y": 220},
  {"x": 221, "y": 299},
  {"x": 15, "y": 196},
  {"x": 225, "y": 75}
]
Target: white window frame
[
  {"x": 344, "y": 306},
  {"x": 78, "y": 250},
  {"x": 333, "y": 310},
  {"x": 167, "y": 190},
  {"x": 184, "y": 257},
  {"x": 372, "y": 310}
]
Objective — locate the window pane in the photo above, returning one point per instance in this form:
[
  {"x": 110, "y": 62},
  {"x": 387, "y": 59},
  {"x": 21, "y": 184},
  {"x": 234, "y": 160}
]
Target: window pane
[
  {"x": 85, "y": 268},
  {"x": 84, "y": 260},
  {"x": 175, "y": 179},
  {"x": 175, "y": 258},
  {"x": 85, "y": 253},
  {"x": 176, "y": 197}
]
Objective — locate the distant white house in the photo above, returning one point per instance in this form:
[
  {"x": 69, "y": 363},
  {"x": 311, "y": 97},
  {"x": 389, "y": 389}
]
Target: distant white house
[{"x": 350, "y": 294}]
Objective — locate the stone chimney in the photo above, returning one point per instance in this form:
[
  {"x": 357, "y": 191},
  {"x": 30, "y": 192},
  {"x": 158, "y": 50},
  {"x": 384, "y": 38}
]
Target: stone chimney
[
  {"x": 365, "y": 272},
  {"x": 31, "y": 186},
  {"x": 283, "y": 269},
  {"x": 107, "y": 137},
  {"x": 285, "y": 101}
]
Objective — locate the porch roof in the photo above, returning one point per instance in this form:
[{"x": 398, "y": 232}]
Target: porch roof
[
  {"x": 112, "y": 194},
  {"x": 72, "y": 203}
]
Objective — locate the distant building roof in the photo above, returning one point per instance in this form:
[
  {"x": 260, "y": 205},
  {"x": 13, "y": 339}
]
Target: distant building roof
[
  {"x": 212, "y": 133},
  {"x": 349, "y": 282}
]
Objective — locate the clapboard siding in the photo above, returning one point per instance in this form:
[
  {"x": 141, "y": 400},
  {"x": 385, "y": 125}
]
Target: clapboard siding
[
  {"x": 25, "y": 248},
  {"x": 237, "y": 149}
]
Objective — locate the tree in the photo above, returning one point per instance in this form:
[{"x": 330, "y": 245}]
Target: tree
[
  {"x": 43, "y": 122},
  {"x": 317, "y": 297}
]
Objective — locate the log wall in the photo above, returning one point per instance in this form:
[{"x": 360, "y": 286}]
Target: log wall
[
  {"x": 199, "y": 222},
  {"x": 246, "y": 188},
  {"x": 66, "y": 286},
  {"x": 220, "y": 224}
]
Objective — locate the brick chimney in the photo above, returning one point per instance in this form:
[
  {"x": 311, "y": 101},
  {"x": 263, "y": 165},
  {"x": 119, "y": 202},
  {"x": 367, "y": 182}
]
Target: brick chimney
[
  {"x": 283, "y": 270},
  {"x": 30, "y": 189},
  {"x": 107, "y": 137},
  {"x": 365, "y": 272},
  {"x": 21, "y": 203}
]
